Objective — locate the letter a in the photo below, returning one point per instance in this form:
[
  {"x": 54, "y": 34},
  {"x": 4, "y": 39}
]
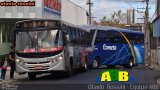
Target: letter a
[{"x": 106, "y": 76}]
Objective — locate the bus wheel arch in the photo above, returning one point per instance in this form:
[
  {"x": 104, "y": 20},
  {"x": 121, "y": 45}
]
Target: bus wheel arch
[
  {"x": 130, "y": 63},
  {"x": 32, "y": 76},
  {"x": 85, "y": 66},
  {"x": 96, "y": 62},
  {"x": 71, "y": 62}
]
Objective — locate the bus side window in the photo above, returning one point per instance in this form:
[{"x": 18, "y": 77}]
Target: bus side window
[
  {"x": 77, "y": 36},
  {"x": 74, "y": 36},
  {"x": 80, "y": 37},
  {"x": 97, "y": 37},
  {"x": 111, "y": 37},
  {"x": 107, "y": 37},
  {"x": 87, "y": 39},
  {"x": 71, "y": 35},
  {"x": 100, "y": 37},
  {"x": 68, "y": 31},
  {"x": 129, "y": 37},
  {"x": 64, "y": 27}
]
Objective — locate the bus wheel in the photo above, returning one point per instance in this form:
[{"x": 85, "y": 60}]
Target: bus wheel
[
  {"x": 69, "y": 72},
  {"x": 96, "y": 63},
  {"x": 32, "y": 76},
  {"x": 130, "y": 64}
]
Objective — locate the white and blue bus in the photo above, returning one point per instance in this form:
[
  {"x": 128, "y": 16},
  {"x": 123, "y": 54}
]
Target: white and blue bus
[
  {"x": 115, "y": 46},
  {"x": 49, "y": 46}
]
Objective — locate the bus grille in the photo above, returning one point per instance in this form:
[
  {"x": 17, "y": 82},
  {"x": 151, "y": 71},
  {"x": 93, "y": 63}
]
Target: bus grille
[
  {"x": 45, "y": 62},
  {"x": 33, "y": 68}
]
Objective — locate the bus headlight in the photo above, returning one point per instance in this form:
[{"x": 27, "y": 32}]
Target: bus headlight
[
  {"x": 60, "y": 58},
  {"x": 17, "y": 60},
  {"x": 55, "y": 60},
  {"x": 20, "y": 62}
]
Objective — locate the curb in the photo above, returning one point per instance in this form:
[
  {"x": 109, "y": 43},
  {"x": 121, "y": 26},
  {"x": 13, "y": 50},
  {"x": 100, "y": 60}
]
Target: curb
[
  {"x": 8, "y": 81},
  {"x": 149, "y": 67},
  {"x": 153, "y": 68}
]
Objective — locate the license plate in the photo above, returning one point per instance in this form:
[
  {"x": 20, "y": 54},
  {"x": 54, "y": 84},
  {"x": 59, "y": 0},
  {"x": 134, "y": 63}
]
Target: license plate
[{"x": 39, "y": 67}]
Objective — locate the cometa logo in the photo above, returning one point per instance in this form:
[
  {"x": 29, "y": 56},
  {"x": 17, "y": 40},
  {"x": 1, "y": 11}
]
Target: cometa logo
[
  {"x": 109, "y": 47},
  {"x": 114, "y": 75}
]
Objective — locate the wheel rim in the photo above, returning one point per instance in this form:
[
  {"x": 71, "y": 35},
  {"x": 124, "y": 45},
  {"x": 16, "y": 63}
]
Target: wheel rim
[
  {"x": 95, "y": 63},
  {"x": 131, "y": 63},
  {"x": 85, "y": 66}
]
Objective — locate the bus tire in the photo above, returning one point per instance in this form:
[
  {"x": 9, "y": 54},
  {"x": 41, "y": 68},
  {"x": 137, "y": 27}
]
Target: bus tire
[
  {"x": 85, "y": 67},
  {"x": 130, "y": 64},
  {"x": 96, "y": 63},
  {"x": 32, "y": 76}
]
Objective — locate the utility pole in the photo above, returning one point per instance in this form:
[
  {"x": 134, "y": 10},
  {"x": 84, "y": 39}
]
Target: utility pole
[
  {"x": 89, "y": 3},
  {"x": 147, "y": 35}
]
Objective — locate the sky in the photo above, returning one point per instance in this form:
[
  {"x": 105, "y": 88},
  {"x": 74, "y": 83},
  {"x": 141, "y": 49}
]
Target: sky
[{"x": 106, "y": 7}]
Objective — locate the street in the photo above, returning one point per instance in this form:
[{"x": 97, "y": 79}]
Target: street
[{"x": 142, "y": 75}]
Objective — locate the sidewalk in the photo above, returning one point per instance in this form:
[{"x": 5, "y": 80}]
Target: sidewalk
[
  {"x": 158, "y": 81},
  {"x": 154, "y": 67},
  {"x": 16, "y": 76},
  {"x": 157, "y": 68}
]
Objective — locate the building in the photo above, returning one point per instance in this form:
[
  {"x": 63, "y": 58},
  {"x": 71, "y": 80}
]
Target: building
[
  {"x": 15, "y": 10},
  {"x": 130, "y": 16},
  {"x": 156, "y": 27},
  {"x": 158, "y": 7},
  {"x": 135, "y": 27}
]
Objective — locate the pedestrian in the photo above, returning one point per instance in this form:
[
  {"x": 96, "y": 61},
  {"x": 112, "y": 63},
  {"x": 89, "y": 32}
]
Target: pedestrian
[
  {"x": 3, "y": 66},
  {"x": 12, "y": 62}
]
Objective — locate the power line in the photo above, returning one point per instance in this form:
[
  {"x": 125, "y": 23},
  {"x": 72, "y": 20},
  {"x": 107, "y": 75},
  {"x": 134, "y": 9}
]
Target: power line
[
  {"x": 139, "y": 12},
  {"x": 154, "y": 14},
  {"x": 133, "y": 8}
]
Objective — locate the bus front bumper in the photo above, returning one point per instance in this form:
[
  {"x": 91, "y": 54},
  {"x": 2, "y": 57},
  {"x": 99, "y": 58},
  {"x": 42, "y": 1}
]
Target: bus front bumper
[{"x": 40, "y": 65}]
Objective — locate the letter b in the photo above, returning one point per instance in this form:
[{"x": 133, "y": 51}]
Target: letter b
[{"x": 123, "y": 76}]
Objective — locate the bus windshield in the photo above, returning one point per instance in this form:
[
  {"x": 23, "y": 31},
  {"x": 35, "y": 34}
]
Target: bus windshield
[{"x": 39, "y": 41}]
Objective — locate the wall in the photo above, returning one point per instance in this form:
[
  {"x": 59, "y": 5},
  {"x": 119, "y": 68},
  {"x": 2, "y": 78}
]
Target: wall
[
  {"x": 51, "y": 9},
  {"x": 156, "y": 27},
  {"x": 72, "y": 13},
  {"x": 5, "y": 48}
]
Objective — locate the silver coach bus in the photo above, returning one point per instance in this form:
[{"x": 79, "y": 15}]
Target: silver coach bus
[{"x": 49, "y": 45}]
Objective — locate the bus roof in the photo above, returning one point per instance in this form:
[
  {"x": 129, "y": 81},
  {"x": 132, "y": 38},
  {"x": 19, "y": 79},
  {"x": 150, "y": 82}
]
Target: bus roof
[
  {"x": 28, "y": 20},
  {"x": 105, "y": 28}
]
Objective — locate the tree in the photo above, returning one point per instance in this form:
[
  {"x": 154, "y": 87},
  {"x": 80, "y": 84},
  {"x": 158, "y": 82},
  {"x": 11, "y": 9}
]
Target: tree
[
  {"x": 151, "y": 29},
  {"x": 117, "y": 19}
]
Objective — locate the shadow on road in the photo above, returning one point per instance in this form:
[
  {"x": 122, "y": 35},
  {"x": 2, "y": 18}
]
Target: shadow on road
[
  {"x": 55, "y": 76},
  {"x": 59, "y": 76}
]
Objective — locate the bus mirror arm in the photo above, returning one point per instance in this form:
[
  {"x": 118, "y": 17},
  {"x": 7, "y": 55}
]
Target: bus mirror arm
[{"x": 67, "y": 36}]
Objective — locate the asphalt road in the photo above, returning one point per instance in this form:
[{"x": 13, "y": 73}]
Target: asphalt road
[{"x": 82, "y": 80}]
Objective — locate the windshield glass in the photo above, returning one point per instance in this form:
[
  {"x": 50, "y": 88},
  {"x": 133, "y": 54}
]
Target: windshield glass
[{"x": 39, "y": 41}]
